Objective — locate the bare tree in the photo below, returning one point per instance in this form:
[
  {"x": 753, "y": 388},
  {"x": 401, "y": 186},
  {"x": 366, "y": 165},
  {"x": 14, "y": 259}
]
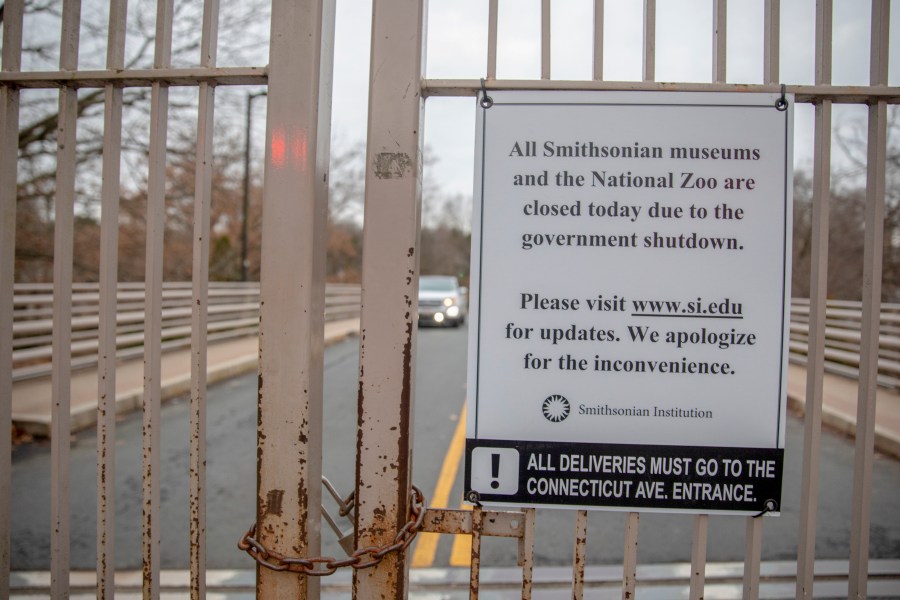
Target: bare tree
[
  {"x": 244, "y": 23},
  {"x": 851, "y": 138}
]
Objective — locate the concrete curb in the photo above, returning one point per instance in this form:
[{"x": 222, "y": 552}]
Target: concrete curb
[
  {"x": 85, "y": 416},
  {"x": 654, "y": 582},
  {"x": 886, "y": 442}
]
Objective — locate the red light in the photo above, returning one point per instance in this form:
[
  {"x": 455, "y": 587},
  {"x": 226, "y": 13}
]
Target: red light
[
  {"x": 298, "y": 148},
  {"x": 278, "y": 148}
]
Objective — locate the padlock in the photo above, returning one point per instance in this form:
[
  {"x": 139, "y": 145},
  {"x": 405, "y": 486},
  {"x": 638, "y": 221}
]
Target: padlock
[{"x": 345, "y": 538}]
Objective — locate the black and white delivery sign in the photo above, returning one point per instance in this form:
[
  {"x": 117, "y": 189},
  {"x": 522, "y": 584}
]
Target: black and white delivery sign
[{"x": 629, "y": 300}]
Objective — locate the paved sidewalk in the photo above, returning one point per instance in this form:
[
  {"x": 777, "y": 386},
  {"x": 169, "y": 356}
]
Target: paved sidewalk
[
  {"x": 31, "y": 399},
  {"x": 839, "y": 399}
]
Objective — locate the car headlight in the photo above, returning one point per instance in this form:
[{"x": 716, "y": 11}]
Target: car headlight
[
  {"x": 453, "y": 311},
  {"x": 448, "y": 301},
  {"x": 438, "y": 317}
]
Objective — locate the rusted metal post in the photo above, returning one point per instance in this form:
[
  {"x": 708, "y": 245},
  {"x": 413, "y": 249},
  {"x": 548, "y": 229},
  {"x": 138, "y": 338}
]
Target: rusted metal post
[
  {"x": 629, "y": 560},
  {"x": 579, "y": 554},
  {"x": 292, "y": 291},
  {"x": 475, "y": 560},
  {"x": 389, "y": 290},
  {"x": 200, "y": 302},
  {"x": 156, "y": 209},
  {"x": 526, "y": 551},
  {"x": 109, "y": 280}
]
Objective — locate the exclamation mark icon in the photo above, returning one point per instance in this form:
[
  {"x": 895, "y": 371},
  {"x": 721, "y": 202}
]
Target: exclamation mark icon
[{"x": 495, "y": 471}]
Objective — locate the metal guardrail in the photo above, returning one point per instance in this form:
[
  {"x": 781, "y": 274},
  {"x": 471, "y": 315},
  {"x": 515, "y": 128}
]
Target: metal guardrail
[
  {"x": 843, "y": 319},
  {"x": 233, "y": 313}
]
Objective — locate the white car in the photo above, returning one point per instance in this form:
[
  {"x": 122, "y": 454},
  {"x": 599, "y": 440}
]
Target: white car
[{"x": 441, "y": 301}]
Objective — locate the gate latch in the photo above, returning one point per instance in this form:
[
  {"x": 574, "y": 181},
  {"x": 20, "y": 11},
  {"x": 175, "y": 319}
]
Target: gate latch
[{"x": 345, "y": 538}]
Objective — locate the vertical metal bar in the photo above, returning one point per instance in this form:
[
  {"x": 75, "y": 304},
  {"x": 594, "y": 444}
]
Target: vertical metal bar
[
  {"x": 815, "y": 370},
  {"x": 156, "y": 205},
  {"x": 493, "y": 9},
  {"x": 771, "y": 42},
  {"x": 389, "y": 290},
  {"x": 9, "y": 139},
  {"x": 649, "y": 69},
  {"x": 698, "y": 556},
  {"x": 475, "y": 563},
  {"x": 579, "y": 554},
  {"x": 719, "y": 41},
  {"x": 109, "y": 266},
  {"x": 200, "y": 300},
  {"x": 526, "y": 553},
  {"x": 629, "y": 560},
  {"x": 824, "y": 31},
  {"x": 871, "y": 308},
  {"x": 752, "y": 554},
  {"x": 292, "y": 293},
  {"x": 63, "y": 245},
  {"x": 545, "y": 39},
  {"x": 598, "y": 40}
]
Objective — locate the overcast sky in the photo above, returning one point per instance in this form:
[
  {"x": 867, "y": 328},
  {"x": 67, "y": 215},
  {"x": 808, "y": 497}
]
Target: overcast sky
[{"x": 457, "y": 48}]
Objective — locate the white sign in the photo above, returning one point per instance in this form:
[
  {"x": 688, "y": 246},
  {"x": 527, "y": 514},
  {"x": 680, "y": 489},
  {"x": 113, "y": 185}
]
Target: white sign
[{"x": 629, "y": 300}]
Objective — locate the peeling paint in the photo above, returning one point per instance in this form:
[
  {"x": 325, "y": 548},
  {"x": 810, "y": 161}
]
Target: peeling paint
[
  {"x": 274, "y": 499},
  {"x": 392, "y": 165}
]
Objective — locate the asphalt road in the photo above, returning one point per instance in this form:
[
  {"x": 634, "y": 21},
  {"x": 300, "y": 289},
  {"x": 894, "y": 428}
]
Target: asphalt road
[{"x": 440, "y": 367}]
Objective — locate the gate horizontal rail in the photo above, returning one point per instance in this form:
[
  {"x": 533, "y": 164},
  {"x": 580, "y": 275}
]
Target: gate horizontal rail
[
  {"x": 136, "y": 77},
  {"x": 808, "y": 94}
]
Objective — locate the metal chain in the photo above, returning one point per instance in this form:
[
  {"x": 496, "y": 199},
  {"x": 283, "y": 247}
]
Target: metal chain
[{"x": 363, "y": 558}]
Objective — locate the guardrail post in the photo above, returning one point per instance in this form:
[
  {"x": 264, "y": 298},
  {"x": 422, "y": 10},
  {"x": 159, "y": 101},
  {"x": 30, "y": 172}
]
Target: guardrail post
[
  {"x": 292, "y": 294},
  {"x": 389, "y": 290}
]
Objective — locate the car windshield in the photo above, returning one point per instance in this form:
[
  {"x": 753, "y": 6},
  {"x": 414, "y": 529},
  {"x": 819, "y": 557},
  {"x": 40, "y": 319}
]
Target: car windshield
[{"x": 437, "y": 284}]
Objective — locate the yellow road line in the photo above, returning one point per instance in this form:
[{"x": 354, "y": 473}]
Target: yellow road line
[
  {"x": 461, "y": 554},
  {"x": 426, "y": 545}
]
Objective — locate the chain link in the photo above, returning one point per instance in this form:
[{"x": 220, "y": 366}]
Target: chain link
[{"x": 362, "y": 558}]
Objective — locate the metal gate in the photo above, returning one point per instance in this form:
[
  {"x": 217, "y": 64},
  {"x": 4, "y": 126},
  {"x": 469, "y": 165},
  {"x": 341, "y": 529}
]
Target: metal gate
[{"x": 388, "y": 509}]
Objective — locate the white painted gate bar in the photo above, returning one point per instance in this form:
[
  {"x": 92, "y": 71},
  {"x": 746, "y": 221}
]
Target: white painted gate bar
[
  {"x": 818, "y": 292},
  {"x": 871, "y": 294},
  {"x": 292, "y": 294},
  {"x": 156, "y": 210},
  {"x": 389, "y": 291},
  {"x": 13, "y": 15},
  {"x": 200, "y": 301},
  {"x": 63, "y": 241},
  {"x": 597, "y": 63},
  {"x": 109, "y": 278}
]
